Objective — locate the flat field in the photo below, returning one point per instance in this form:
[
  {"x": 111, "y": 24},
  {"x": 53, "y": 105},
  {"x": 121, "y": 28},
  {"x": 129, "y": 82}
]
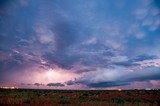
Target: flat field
[{"x": 37, "y": 97}]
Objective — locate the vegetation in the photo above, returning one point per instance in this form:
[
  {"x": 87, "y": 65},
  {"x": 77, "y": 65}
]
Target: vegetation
[{"x": 34, "y": 97}]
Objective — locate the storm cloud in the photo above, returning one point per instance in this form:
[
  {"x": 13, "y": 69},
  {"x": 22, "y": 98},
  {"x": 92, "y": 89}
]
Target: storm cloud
[
  {"x": 92, "y": 43},
  {"x": 55, "y": 84}
]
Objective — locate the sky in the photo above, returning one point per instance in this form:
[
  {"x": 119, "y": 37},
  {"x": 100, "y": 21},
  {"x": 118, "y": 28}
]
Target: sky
[{"x": 80, "y": 44}]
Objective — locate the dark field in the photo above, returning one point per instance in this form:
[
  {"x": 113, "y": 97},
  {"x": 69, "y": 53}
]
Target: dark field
[{"x": 29, "y": 97}]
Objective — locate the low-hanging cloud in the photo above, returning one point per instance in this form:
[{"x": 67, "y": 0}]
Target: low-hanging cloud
[
  {"x": 55, "y": 84},
  {"x": 119, "y": 77}
]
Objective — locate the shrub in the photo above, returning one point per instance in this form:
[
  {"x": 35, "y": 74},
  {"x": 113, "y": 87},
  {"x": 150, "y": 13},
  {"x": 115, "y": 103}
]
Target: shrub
[
  {"x": 28, "y": 101},
  {"x": 118, "y": 100},
  {"x": 85, "y": 94},
  {"x": 81, "y": 97},
  {"x": 133, "y": 100},
  {"x": 94, "y": 92},
  {"x": 64, "y": 101}
]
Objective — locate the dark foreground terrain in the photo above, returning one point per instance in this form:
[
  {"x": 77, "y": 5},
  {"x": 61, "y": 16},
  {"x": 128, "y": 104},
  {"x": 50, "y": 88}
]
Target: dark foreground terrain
[{"x": 31, "y": 97}]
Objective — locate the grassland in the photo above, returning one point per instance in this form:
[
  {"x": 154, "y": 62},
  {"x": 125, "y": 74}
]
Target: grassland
[{"x": 33, "y": 97}]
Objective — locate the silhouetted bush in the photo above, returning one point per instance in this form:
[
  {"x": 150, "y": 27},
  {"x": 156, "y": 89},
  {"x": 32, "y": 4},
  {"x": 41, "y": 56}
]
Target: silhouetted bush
[
  {"x": 64, "y": 101},
  {"x": 81, "y": 97},
  {"x": 28, "y": 101},
  {"x": 118, "y": 100}
]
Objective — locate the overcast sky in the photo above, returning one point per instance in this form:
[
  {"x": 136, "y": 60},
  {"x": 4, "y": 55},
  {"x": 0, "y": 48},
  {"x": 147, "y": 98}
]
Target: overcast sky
[{"x": 80, "y": 44}]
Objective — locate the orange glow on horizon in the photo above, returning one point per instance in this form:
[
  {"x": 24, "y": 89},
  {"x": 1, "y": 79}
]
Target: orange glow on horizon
[{"x": 8, "y": 87}]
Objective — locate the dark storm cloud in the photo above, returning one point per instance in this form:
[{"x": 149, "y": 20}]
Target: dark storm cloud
[
  {"x": 3, "y": 6},
  {"x": 157, "y": 3},
  {"x": 26, "y": 84},
  {"x": 11, "y": 60},
  {"x": 125, "y": 78},
  {"x": 66, "y": 30},
  {"x": 144, "y": 57},
  {"x": 55, "y": 84},
  {"x": 126, "y": 64},
  {"x": 132, "y": 62},
  {"x": 87, "y": 55},
  {"x": 66, "y": 34},
  {"x": 62, "y": 60},
  {"x": 38, "y": 84},
  {"x": 84, "y": 70},
  {"x": 29, "y": 84},
  {"x": 70, "y": 82},
  {"x": 81, "y": 36},
  {"x": 107, "y": 84},
  {"x": 124, "y": 82},
  {"x": 4, "y": 2},
  {"x": 15, "y": 32}
]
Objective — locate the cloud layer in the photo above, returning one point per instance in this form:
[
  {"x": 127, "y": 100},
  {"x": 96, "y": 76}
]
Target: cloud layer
[{"x": 85, "y": 44}]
